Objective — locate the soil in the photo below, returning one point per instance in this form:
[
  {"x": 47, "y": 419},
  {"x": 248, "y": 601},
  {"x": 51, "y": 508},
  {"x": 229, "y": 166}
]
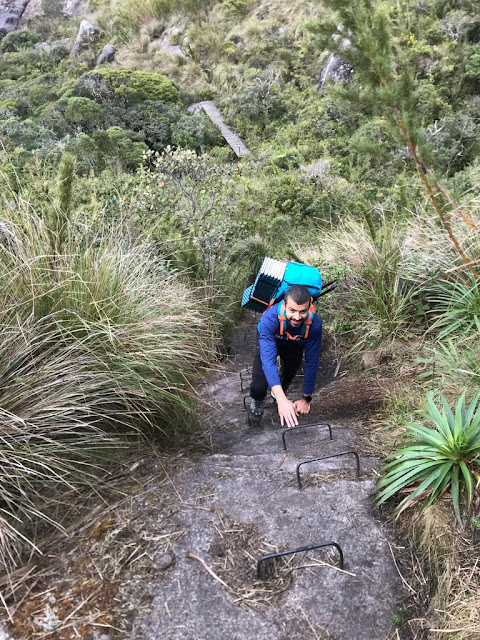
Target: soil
[{"x": 176, "y": 556}]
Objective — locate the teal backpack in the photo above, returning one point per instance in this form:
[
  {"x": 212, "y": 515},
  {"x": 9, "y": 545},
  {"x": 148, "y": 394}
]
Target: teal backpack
[{"x": 275, "y": 277}]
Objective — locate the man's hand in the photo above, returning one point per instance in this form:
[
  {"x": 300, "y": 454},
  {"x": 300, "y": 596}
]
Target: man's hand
[
  {"x": 302, "y": 407},
  {"x": 287, "y": 413}
]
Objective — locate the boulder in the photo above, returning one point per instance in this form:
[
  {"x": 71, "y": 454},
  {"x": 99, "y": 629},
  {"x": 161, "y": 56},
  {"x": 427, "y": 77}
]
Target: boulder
[
  {"x": 74, "y": 7},
  {"x": 87, "y": 35},
  {"x": 335, "y": 70},
  {"x": 47, "y": 47},
  {"x": 107, "y": 55},
  {"x": 10, "y": 15}
]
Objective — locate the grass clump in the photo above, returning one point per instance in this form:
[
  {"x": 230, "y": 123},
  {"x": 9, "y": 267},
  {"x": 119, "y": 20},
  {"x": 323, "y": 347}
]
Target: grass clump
[{"x": 98, "y": 342}]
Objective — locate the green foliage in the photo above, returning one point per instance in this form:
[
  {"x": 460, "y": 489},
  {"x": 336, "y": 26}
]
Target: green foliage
[
  {"x": 16, "y": 40},
  {"x": 381, "y": 299},
  {"x": 249, "y": 253},
  {"x": 472, "y": 64},
  {"x": 453, "y": 362},
  {"x": 238, "y": 8},
  {"x": 94, "y": 347},
  {"x": 132, "y": 86},
  {"x": 83, "y": 112},
  {"x": 8, "y": 108},
  {"x": 437, "y": 458},
  {"x": 66, "y": 176},
  {"x": 26, "y": 134},
  {"x": 456, "y": 308},
  {"x": 128, "y": 153},
  {"x": 194, "y": 187},
  {"x": 258, "y": 101}
]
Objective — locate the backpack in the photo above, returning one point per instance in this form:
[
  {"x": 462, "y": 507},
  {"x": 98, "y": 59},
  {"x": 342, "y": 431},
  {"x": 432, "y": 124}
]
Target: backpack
[{"x": 275, "y": 277}]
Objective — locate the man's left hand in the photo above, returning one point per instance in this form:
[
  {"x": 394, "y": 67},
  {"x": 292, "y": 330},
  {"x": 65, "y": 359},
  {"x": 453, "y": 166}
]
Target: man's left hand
[{"x": 302, "y": 407}]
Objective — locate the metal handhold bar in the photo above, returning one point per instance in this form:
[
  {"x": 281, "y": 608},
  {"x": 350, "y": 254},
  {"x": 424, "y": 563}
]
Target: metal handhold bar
[
  {"x": 333, "y": 455},
  {"x": 305, "y": 426},
  {"x": 246, "y": 374},
  {"x": 280, "y": 554}
]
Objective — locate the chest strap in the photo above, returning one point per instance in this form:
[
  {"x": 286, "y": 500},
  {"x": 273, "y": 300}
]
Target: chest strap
[{"x": 282, "y": 319}]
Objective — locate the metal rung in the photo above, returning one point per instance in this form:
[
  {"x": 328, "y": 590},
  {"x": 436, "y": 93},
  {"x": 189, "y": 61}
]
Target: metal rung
[
  {"x": 333, "y": 455},
  {"x": 305, "y": 426},
  {"x": 245, "y": 385},
  {"x": 270, "y": 558}
]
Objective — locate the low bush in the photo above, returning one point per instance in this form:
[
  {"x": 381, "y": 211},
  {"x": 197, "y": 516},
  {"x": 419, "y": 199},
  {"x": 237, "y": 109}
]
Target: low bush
[
  {"x": 456, "y": 308},
  {"x": 16, "y": 40},
  {"x": 380, "y": 297},
  {"x": 132, "y": 86}
]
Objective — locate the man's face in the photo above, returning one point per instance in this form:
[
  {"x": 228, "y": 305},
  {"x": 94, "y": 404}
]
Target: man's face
[{"x": 295, "y": 313}]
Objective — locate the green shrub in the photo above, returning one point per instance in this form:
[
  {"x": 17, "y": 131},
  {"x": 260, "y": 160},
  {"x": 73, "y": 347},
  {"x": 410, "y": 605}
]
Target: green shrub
[
  {"x": 40, "y": 94},
  {"x": 83, "y": 112},
  {"x": 437, "y": 458},
  {"x": 472, "y": 63},
  {"x": 16, "y": 40},
  {"x": 115, "y": 143},
  {"x": 382, "y": 300},
  {"x": 8, "y": 108},
  {"x": 238, "y": 8},
  {"x": 132, "y": 86},
  {"x": 25, "y": 133},
  {"x": 195, "y": 132}
]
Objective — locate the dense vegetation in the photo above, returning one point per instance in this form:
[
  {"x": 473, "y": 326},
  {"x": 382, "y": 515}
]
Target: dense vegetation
[{"x": 123, "y": 212}]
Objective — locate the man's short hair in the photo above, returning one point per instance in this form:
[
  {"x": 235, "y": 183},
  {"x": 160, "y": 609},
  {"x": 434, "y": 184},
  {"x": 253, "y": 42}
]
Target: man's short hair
[{"x": 298, "y": 293}]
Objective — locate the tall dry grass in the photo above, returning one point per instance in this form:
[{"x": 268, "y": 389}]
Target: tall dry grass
[{"x": 97, "y": 342}]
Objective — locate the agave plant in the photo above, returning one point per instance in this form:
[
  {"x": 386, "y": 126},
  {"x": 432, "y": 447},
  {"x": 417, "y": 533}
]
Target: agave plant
[
  {"x": 439, "y": 457},
  {"x": 456, "y": 308}
]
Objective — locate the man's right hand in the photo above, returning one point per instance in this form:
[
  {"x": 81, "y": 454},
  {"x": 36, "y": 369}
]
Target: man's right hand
[{"x": 287, "y": 413}]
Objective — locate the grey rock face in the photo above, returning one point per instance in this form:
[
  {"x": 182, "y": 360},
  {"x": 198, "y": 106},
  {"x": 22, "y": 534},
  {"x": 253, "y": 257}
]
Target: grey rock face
[
  {"x": 87, "y": 35},
  {"x": 164, "y": 560},
  {"x": 74, "y": 7},
  {"x": 107, "y": 55},
  {"x": 335, "y": 70},
  {"x": 10, "y": 13},
  {"x": 46, "y": 47}
]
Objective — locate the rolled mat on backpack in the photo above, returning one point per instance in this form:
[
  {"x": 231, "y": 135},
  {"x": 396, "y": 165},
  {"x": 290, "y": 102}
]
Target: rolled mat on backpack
[{"x": 275, "y": 277}]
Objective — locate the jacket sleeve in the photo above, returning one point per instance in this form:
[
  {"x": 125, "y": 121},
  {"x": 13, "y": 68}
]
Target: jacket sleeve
[
  {"x": 268, "y": 327},
  {"x": 313, "y": 348}
]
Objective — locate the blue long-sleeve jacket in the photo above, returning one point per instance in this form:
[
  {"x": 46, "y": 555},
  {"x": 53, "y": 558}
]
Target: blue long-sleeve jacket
[{"x": 268, "y": 328}]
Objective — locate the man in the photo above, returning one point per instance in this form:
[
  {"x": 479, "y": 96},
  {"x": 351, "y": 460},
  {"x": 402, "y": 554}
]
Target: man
[{"x": 287, "y": 329}]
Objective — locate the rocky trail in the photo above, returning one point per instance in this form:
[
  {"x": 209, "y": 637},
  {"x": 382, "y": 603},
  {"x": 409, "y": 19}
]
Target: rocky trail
[
  {"x": 242, "y": 501},
  {"x": 173, "y": 553}
]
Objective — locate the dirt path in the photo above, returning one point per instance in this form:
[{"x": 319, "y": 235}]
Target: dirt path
[{"x": 242, "y": 501}]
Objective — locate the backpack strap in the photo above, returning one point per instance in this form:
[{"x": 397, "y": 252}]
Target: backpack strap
[{"x": 282, "y": 319}]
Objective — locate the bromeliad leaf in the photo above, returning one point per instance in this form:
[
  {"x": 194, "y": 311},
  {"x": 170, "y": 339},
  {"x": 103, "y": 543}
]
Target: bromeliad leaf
[{"x": 437, "y": 457}]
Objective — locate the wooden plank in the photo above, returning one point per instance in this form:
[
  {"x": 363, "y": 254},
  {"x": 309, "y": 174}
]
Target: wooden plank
[{"x": 239, "y": 148}]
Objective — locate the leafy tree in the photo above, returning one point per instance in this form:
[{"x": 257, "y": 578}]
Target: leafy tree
[
  {"x": 194, "y": 187},
  {"x": 83, "y": 112},
  {"x": 366, "y": 38}
]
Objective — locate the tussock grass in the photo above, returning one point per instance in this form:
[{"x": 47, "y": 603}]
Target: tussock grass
[
  {"x": 444, "y": 566},
  {"x": 97, "y": 343},
  {"x": 377, "y": 283}
]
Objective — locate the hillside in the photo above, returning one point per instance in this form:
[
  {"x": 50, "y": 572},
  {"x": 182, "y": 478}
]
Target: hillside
[{"x": 129, "y": 229}]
